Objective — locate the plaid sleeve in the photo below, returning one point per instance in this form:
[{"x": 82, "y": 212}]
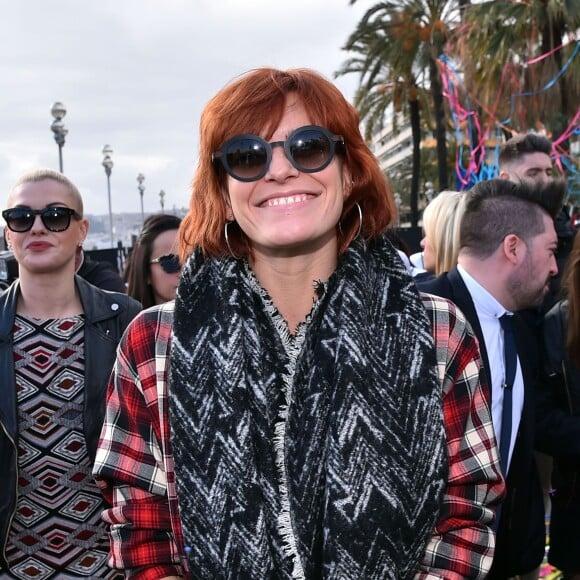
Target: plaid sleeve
[
  {"x": 130, "y": 466},
  {"x": 463, "y": 542}
]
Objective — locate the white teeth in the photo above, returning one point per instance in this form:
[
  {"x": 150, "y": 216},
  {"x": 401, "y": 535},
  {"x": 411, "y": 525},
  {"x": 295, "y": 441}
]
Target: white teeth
[{"x": 287, "y": 200}]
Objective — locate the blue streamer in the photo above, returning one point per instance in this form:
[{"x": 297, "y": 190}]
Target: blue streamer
[{"x": 548, "y": 86}]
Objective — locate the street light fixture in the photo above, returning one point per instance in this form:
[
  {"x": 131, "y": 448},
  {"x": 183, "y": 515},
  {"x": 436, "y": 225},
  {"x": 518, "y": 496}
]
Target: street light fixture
[
  {"x": 108, "y": 165},
  {"x": 162, "y": 200},
  {"x": 141, "y": 188},
  {"x": 58, "y": 111}
]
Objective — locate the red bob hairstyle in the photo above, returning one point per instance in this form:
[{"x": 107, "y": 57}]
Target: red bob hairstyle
[{"x": 255, "y": 103}]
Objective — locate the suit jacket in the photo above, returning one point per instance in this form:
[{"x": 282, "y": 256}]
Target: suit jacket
[{"x": 520, "y": 539}]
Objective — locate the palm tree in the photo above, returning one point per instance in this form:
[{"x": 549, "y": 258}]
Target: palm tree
[
  {"x": 500, "y": 37},
  {"x": 386, "y": 88},
  {"x": 397, "y": 43}
]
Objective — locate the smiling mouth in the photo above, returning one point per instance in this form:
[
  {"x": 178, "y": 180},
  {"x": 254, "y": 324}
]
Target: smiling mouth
[{"x": 277, "y": 201}]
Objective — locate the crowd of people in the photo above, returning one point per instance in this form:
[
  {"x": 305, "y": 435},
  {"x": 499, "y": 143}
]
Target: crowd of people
[{"x": 267, "y": 391}]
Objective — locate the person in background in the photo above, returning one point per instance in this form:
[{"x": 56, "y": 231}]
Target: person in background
[
  {"x": 99, "y": 273},
  {"x": 440, "y": 243},
  {"x": 304, "y": 434},
  {"x": 528, "y": 158},
  {"x": 559, "y": 419},
  {"x": 153, "y": 268},
  {"x": 506, "y": 259},
  {"x": 58, "y": 338}
]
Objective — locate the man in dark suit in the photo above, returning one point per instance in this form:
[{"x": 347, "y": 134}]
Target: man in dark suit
[
  {"x": 506, "y": 260},
  {"x": 528, "y": 157}
]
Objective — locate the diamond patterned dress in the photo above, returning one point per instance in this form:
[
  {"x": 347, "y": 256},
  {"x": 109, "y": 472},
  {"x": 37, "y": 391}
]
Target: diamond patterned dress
[{"x": 56, "y": 531}]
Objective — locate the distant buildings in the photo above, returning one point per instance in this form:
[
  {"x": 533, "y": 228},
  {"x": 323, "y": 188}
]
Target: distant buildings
[
  {"x": 126, "y": 229},
  {"x": 393, "y": 148}
]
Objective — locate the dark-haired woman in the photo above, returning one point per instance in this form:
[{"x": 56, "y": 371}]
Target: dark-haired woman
[{"x": 152, "y": 270}]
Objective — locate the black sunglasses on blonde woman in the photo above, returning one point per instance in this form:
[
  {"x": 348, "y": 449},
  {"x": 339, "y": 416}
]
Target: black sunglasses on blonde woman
[{"x": 55, "y": 219}]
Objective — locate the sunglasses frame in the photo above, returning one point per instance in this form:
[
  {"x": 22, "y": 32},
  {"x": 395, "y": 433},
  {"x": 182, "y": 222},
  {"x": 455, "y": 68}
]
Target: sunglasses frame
[
  {"x": 268, "y": 146},
  {"x": 44, "y": 213},
  {"x": 167, "y": 258}
]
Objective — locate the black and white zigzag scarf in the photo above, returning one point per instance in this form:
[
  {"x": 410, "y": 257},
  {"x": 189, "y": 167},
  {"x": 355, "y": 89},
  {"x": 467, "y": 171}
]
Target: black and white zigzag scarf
[{"x": 315, "y": 456}]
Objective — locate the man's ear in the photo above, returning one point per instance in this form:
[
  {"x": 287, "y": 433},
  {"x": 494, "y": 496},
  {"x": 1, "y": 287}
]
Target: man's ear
[
  {"x": 512, "y": 247},
  {"x": 503, "y": 174}
]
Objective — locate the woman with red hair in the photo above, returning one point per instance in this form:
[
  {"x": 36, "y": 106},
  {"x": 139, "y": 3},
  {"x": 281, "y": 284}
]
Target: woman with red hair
[{"x": 283, "y": 418}]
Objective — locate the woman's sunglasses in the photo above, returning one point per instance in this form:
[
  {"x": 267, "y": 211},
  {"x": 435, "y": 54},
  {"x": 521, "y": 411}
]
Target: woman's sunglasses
[
  {"x": 169, "y": 263},
  {"x": 55, "y": 219},
  {"x": 309, "y": 149}
]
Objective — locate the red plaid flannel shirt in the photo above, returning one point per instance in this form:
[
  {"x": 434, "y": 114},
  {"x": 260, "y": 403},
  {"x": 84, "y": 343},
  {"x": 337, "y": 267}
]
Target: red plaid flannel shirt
[{"x": 134, "y": 467}]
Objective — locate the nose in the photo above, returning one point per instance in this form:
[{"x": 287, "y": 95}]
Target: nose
[
  {"x": 37, "y": 224},
  {"x": 280, "y": 167},
  {"x": 422, "y": 242},
  {"x": 553, "y": 266}
]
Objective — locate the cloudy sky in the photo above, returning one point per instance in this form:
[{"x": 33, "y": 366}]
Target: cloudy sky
[{"x": 136, "y": 74}]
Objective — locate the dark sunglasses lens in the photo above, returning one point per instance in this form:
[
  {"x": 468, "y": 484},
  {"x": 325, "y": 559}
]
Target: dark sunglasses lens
[
  {"x": 310, "y": 150},
  {"x": 246, "y": 158},
  {"x": 19, "y": 219},
  {"x": 56, "y": 219},
  {"x": 170, "y": 264}
]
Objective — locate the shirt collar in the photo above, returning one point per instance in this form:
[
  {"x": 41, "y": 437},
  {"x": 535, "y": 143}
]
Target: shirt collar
[{"x": 485, "y": 304}]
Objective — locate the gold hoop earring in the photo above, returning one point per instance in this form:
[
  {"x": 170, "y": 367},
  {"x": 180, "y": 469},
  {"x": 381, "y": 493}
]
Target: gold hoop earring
[{"x": 228, "y": 241}]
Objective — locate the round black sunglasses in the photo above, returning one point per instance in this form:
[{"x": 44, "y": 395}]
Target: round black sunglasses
[
  {"x": 309, "y": 149},
  {"x": 169, "y": 263},
  {"x": 55, "y": 219}
]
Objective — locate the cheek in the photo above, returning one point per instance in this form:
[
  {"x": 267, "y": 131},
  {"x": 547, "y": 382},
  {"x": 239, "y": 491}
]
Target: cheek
[
  {"x": 154, "y": 278},
  {"x": 239, "y": 192}
]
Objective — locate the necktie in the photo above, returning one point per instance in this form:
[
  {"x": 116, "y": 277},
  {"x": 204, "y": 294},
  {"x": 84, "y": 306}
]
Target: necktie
[{"x": 511, "y": 360}]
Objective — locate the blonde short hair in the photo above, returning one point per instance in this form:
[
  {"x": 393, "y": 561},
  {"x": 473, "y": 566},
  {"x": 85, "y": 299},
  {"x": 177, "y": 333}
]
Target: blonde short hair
[
  {"x": 42, "y": 174},
  {"x": 441, "y": 223}
]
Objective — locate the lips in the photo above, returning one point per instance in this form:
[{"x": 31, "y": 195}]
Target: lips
[{"x": 38, "y": 246}]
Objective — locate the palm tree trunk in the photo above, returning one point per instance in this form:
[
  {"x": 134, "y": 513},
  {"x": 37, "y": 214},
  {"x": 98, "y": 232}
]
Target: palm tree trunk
[
  {"x": 416, "y": 158},
  {"x": 440, "y": 132}
]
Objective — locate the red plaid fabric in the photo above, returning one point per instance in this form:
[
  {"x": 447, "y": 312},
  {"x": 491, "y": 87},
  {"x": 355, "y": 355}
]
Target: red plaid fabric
[
  {"x": 463, "y": 543},
  {"x": 134, "y": 467}
]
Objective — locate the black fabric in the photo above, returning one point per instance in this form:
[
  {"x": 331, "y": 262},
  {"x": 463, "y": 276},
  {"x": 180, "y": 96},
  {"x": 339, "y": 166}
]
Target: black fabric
[
  {"x": 315, "y": 455},
  {"x": 559, "y": 435},
  {"x": 101, "y": 274}
]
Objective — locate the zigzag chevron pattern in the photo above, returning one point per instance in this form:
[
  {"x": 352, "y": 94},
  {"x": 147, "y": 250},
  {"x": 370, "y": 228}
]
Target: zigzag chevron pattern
[{"x": 320, "y": 454}]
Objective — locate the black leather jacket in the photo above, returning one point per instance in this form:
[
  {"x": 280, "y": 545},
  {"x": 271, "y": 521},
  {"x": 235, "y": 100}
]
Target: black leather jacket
[
  {"x": 559, "y": 408},
  {"x": 107, "y": 314}
]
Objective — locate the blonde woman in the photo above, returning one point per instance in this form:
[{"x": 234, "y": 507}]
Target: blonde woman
[{"x": 441, "y": 220}]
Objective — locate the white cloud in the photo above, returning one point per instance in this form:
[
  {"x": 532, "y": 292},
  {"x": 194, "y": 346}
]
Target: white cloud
[{"x": 136, "y": 74}]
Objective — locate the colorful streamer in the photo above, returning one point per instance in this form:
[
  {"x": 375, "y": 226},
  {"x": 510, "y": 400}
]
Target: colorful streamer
[{"x": 467, "y": 124}]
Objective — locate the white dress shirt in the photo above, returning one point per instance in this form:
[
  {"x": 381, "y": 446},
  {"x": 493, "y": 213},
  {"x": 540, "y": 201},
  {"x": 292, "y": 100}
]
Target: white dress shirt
[{"x": 489, "y": 311}]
